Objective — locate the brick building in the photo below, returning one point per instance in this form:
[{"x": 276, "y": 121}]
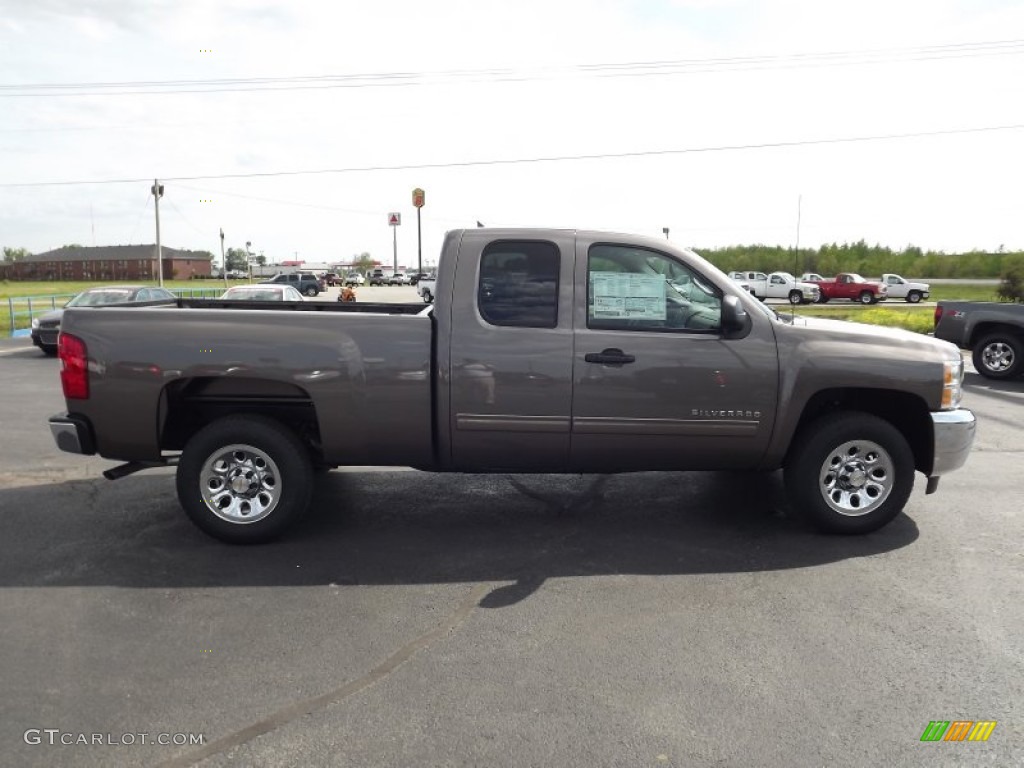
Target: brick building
[{"x": 109, "y": 262}]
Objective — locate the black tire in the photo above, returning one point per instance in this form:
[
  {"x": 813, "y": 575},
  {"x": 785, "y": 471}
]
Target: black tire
[
  {"x": 999, "y": 355},
  {"x": 795, "y": 297},
  {"x": 269, "y": 456},
  {"x": 311, "y": 291},
  {"x": 50, "y": 350},
  {"x": 866, "y": 297},
  {"x": 427, "y": 298},
  {"x": 861, "y": 495},
  {"x": 822, "y": 298},
  {"x": 913, "y": 297}
]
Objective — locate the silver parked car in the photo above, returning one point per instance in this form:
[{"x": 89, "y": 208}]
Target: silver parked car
[{"x": 46, "y": 328}]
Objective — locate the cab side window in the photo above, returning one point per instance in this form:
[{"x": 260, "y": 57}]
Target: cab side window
[
  {"x": 518, "y": 284},
  {"x": 639, "y": 289}
]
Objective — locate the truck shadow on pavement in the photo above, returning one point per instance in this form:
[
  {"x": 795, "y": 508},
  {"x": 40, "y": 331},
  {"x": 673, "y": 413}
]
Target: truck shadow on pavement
[{"x": 409, "y": 527}]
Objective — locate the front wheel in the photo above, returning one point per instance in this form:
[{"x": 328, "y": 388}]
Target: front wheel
[
  {"x": 849, "y": 473},
  {"x": 999, "y": 356},
  {"x": 427, "y": 298},
  {"x": 914, "y": 297},
  {"x": 866, "y": 297},
  {"x": 795, "y": 297},
  {"x": 244, "y": 479}
]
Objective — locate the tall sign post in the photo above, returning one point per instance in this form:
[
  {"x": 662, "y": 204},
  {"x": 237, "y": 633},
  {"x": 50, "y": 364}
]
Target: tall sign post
[
  {"x": 419, "y": 198},
  {"x": 158, "y": 191},
  {"x": 394, "y": 220}
]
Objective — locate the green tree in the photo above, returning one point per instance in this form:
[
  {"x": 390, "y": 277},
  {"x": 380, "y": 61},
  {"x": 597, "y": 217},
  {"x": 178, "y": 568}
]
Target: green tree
[
  {"x": 363, "y": 262},
  {"x": 237, "y": 259},
  {"x": 15, "y": 254},
  {"x": 1011, "y": 286}
]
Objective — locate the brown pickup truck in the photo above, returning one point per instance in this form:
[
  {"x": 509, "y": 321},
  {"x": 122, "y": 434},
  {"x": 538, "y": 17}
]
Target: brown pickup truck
[{"x": 544, "y": 351}]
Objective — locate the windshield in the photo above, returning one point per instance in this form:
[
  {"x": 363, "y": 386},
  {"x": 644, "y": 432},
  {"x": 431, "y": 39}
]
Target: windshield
[{"x": 96, "y": 298}]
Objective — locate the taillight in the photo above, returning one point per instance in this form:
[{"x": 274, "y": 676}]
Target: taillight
[
  {"x": 938, "y": 313},
  {"x": 74, "y": 373}
]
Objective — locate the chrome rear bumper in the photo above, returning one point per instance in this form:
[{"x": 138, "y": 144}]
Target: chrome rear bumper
[{"x": 72, "y": 434}]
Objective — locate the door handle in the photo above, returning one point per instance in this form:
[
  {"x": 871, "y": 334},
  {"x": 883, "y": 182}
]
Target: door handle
[{"x": 610, "y": 356}]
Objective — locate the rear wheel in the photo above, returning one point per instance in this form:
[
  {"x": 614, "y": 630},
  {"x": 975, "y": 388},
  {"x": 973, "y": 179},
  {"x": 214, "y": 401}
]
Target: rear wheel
[
  {"x": 427, "y": 298},
  {"x": 866, "y": 297},
  {"x": 822, "y": 298},
  {"x": 795, "y": 297},
  {"x": 849, "y": 473},
  {"x": 49, "y": 349},
  {"x": 244, "y": 479},
  {"x": 311, "y": 291},
  {"x": 999, "y": 356}
]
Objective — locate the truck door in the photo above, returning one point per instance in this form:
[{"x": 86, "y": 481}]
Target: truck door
[
  {"x": 509, "y": 359},
  {"x": 657, "y": 385}
]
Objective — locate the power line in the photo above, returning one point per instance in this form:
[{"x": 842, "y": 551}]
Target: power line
[
  {"x": 621, "y": 69},
  {"x": 547, "y": 159}
]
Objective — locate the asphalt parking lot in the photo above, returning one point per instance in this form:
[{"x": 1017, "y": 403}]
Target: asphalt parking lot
[{"x": 658, "y": 619}]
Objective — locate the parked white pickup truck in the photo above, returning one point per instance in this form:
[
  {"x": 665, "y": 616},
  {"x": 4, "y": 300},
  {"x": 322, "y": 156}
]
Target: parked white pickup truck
[
  {"x": 904, "y": 289},
  {"x": 778, "y": 285}
]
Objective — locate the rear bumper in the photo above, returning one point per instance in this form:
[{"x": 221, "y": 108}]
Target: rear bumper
[
  {"x": 954, "y": 435},
  {"x": 73, "y": 434}
]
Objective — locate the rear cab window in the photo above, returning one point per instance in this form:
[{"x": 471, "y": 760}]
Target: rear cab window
[{"x": 518, "y": 284}]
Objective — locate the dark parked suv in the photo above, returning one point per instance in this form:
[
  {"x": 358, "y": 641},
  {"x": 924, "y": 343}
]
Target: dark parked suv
[{"x": 306, "y": 282}]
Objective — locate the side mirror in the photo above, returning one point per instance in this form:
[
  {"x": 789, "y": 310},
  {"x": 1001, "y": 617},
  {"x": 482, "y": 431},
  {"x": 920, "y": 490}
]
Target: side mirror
[{"x": 735, "y": 320}]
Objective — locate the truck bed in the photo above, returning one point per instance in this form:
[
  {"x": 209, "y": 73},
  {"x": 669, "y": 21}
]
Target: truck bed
[{"x": 355, "y": 377}]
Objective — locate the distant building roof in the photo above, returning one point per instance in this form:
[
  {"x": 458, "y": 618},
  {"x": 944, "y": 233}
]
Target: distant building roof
[{"x": 115, "y": 253}]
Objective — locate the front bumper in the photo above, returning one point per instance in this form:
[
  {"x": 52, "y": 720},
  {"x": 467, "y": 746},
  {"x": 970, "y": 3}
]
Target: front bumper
[
  {"x": 72, "y": 434},
  {"x": 954, "y": 435}
]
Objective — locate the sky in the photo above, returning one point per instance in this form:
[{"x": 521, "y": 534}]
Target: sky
[{"x": 300, "y": 126}]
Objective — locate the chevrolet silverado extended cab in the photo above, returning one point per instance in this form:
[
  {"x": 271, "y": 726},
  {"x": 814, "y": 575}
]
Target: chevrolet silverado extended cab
[
  {"x": 994, "y": 332},
  {"x": 546, "y": 351}
]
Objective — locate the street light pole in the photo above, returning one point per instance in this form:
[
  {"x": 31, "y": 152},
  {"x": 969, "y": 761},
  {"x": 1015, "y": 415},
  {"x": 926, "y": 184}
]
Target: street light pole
[
  {"x": 158, "y": 191},
  {"x": 248, "y": 257},
  {"x": 665, "y": 230},
  {"x": 223, "y": 259}
]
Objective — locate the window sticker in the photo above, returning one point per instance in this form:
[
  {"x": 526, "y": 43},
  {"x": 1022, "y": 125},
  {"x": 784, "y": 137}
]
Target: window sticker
[{"x": 628, "y": 295}]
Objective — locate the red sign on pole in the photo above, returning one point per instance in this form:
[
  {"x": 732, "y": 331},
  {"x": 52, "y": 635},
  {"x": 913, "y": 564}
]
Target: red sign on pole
[
  {"x": 394, "y": 219},
  {"x": 419, "y": 197}
]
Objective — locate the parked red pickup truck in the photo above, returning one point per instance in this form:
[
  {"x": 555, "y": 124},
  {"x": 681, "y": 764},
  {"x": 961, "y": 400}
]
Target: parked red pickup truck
[
  {"x": 544, "y": 350},
  {"x": 849, "y": 285}
]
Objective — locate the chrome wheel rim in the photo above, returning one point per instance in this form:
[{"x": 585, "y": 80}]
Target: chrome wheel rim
[
  {"x": 997, "y": 356},
  {"x": 240, "y": 484},
  {"x": 856, "y": 477}
]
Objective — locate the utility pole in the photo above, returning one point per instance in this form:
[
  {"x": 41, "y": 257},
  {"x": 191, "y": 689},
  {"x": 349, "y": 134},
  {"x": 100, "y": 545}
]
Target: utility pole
[
  {"x": 223, "y": 259},
  {"x": 248, "y": 257},
  {"x": 797, "y": 271},
  {"x": 158, "y": 191}
]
